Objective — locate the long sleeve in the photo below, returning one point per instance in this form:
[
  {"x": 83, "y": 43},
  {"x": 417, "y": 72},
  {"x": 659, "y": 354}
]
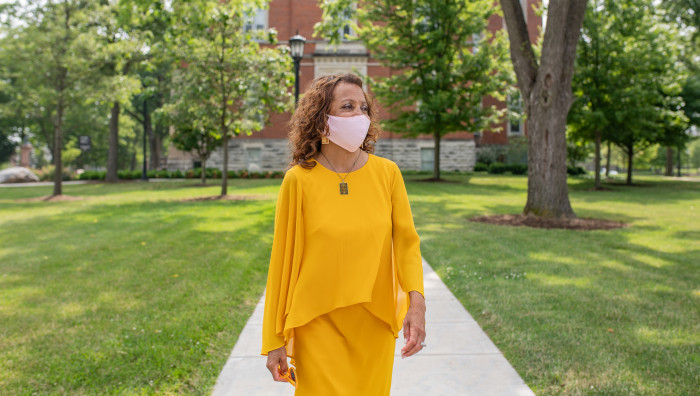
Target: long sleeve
[
  {"x": 407, "y": 256},
  {"x": 287, "y": 247}
]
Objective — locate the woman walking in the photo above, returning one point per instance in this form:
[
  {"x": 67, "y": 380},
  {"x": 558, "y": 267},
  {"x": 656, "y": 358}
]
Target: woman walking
[{"x": 345, "y": 270}]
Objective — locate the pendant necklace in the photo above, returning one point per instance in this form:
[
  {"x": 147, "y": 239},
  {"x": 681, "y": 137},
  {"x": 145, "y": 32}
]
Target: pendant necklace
[{"x": 343, "y": 185}]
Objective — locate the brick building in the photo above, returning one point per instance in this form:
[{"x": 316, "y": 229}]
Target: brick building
[{"x": 268, "y": 149}]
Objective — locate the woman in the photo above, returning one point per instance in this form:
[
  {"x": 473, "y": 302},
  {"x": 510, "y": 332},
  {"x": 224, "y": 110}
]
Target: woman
[{"x": 345, "y": 269}]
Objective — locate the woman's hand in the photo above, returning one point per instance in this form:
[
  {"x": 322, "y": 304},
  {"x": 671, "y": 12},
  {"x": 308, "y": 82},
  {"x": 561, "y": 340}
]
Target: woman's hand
[
  {"x": 414, "y": 325},
  {"x": 277, "y": 363}
]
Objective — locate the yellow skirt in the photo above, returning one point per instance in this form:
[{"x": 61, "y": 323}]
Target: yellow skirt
[{"x": 347, "y": 351}]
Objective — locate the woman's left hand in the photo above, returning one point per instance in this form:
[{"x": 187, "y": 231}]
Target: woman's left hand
[{"x": 414, "y": 325}]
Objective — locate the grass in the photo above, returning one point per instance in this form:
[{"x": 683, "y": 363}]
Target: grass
[
  {"x": 132, "y": 291},
  {"x": 576, "y": 312}
]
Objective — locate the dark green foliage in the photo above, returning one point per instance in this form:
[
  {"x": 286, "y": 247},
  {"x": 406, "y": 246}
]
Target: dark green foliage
[
  {"x": 575, "y": 171},
  {"x": 497, "y": 168},
  {"x": 517, "y": 169},
  {"x": 92, "y": 175},
  {"x": 7, "y": 147},
  {"x": 124, "y": 174},
  {"x": 481, "y": 167}
]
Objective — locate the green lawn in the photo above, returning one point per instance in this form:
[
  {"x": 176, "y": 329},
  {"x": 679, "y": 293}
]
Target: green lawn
[
  {"x": 577, "y": 312},
  {"x": 132, "y": 291},
  {"x": 129, "y": 291}
]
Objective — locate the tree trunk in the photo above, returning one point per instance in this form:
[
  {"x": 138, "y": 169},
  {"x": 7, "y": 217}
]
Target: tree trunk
[
  {"x": 113, "y": 150},
  {"x": 436, "y": 160},
  {"x": 596, "y": 167},
  {"x": 669, "y": 161},
  {"x": 132, "y": 161},
  {"x": 630, "y": 154},
  {"x": 154, "y": 161},
  {"x": 224, "y": 174},
  {"x": 204, "y": 173},
  {"x": 607, "y": 162},
  {"x": 548, "y": 192},
  {"x": 57, "y": 147},
  {"x": 547, "y": 97}
]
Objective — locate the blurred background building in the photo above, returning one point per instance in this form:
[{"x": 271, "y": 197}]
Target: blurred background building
[{"x": 268, "y": 149}]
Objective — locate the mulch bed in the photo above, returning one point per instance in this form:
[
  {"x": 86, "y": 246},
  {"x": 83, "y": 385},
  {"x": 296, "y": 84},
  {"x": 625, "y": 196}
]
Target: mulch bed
[
  {"x": 228, "y": 198},
  {"x": 52, "y": 198},
  {"x": 579, "y": 224}
]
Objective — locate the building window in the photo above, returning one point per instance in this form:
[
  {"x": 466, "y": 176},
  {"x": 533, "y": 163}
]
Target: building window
[
  {"x": 257, "y": 21},
  {"x": 427, "y": 158},
  {"x": 515, "y": 116},
  {"x": 253, "y": 157},
  {"x": 476, "y": 41}
]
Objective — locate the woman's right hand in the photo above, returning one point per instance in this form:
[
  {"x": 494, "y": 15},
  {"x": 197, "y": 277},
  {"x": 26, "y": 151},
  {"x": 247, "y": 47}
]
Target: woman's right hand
[{"x": 277, "y": 363}]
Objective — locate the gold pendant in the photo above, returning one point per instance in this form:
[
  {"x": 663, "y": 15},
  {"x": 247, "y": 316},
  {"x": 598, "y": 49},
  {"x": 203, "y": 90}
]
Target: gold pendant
[{"x": 343, "y": 188}]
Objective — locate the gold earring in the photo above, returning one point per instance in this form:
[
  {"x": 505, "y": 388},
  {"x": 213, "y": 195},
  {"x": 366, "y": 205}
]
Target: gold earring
[{"x": 324, "y": 140}]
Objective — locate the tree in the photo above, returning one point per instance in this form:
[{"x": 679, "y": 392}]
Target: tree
[
  {"x": 230, "y": 79},
  {"x": 593, "y": 84},
  {"x": 55, "y": 50},
  {"x": 547, "y": 96},
  {"x": 442, "y": 60},
  {"x": 627, "y": 79},
  {"x": 153, "y": 20}
]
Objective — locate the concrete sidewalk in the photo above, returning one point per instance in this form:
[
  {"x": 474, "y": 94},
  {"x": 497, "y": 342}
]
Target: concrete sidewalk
[{"x": 459, "y": 358}]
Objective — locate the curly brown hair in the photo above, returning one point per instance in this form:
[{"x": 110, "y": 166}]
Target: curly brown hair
[{"x": 308, "y": 122}]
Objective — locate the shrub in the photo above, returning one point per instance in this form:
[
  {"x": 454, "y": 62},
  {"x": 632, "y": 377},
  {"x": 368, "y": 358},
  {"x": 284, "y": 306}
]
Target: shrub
[
  {"x": 481, "y": 167},
  {"x": 278, "y": 174},
  {"x": 189, "y": 174},
  {"x": 491, "y": 154},
  {"x": 517, "y": 169},
  {"x": 243, "y": 174},
  {"x": 151, "y": 174},
  {"x": 497, "y": 168},
  {"x": 92, "y": 175},
  {"x": 232, "y": 174},
  {"x": 575, "y": 171},
  {"x": 124, "y": 174},
  {"x": 215, "y": 173},
  {"x": 163, "y": 174},
  {"x": 178, "y": 174}
]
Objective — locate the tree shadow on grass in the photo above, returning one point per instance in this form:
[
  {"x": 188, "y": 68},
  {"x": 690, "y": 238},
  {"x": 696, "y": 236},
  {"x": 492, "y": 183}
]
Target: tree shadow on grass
[{"x": 572, "y": 310}]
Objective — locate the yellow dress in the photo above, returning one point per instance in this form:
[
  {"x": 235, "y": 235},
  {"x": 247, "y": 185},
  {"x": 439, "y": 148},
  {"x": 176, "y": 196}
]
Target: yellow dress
[{"x": 340, "y": 271}]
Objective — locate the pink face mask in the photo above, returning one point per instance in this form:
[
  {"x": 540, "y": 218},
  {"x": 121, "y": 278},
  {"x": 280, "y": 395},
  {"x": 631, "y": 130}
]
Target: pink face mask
[{"x": 348, "y": 132}]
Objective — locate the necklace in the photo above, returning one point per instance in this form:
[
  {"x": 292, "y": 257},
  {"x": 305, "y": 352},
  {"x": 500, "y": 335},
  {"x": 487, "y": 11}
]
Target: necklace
[{"x": 343, "y": 185}]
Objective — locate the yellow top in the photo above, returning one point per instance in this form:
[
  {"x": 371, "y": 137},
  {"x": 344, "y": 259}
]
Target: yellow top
[{"x": 332, "y": 250}]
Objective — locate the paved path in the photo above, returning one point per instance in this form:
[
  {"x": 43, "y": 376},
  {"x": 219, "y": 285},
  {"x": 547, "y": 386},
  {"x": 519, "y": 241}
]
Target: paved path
[{"x": 459, "y": 359}]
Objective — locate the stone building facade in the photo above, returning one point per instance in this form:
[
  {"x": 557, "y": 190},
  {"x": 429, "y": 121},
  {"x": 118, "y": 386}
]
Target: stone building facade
[{"x": 268, "y": 149}]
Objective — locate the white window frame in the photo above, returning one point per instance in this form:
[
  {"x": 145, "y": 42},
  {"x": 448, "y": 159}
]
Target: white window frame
[
  {"x": 248, "y": 160},
  {"x": 521, "y": 124},
  {"x": 259, "y": 21},
  {"x": 432, "y": 163}
]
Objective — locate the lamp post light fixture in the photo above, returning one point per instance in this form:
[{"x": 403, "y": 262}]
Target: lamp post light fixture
[{"x": 296, "y": 44}]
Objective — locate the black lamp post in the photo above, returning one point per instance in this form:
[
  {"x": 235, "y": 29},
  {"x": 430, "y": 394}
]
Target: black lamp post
[{"x": 296, "y": 44}]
